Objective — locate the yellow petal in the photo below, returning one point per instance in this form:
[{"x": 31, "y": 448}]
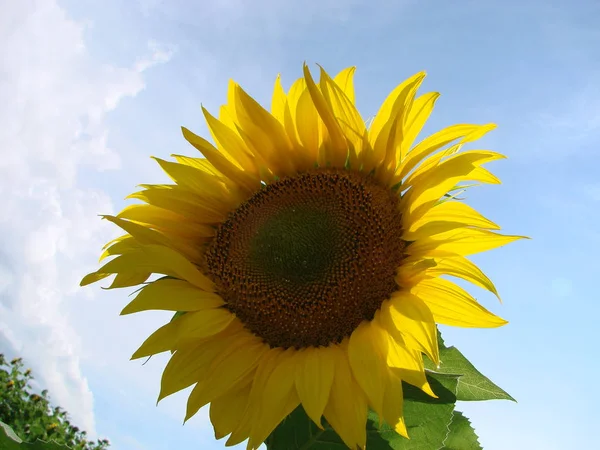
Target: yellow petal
[
  {"x": 464, "y": 242},
  {"x": 283, "y": 108},
  {"x": 393, "y": 133},
  {"x": 393, "y": 404},
  {"x": 128, "y": 279},
  {"x": 387, "y": 128},
  {"x": 429, "y": 163},
  {"x": 92, "y": 278},
  {"x": 165, "y": 220},
  {"x": 446, "y": 216},
  {"x": 265, "y": 367},
  {"x": 158, "y": 259},
  {"x": 190, "y": 363},
  {"x": 221, "y": 163},
  {"x": 140, "y": 233},
  {"x": 349, "y": 120},
  {"x": 366, "y": 349},
  {"x": 436, "y": 182},
  {"x": 181, "y": 201},
  {"x": 226, "y": 372},
  {"x": 345, "y": 81},
  {"x": 477, "y": 173},
  {"x": 291, "y": 112},
  {"x": 162, "y": 340},
  {"x": 198, "y": 325},
  {"x": 412, "y": 270},
  {"x": 346, "y": 410},
  {"x": 420, "y": 111},
  {"x": 229, "y": 143},
  {"x": 278, "y": 398},
  {"x": 207, "y": 186},
  {"x": 429, "y": 145},
  {"x": 202, "y": 164},
  {"x": 263, "y": 133},
  {"x": 226, "y": 411},
  {"x": 172, "y": 295},
  {"x": 314, "y": 377},
  {"x": 461, "y": 267},
  {"x": 278, "y": 101},
  {"x": 394, "y": 101},
  {"x": 309, "y": 126},
  {"x": 337, "y": 142},
  {"x": 407, "y": 364},
  {"x": 115, "y": 240},
  {"x": 414, "y": 321},
  {"x": 120, "y": 246},
  {"x": 145, "y": 235},
  {"x": 452, "y": 305}
]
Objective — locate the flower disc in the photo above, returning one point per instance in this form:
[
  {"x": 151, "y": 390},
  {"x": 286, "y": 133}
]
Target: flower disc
[{"x": 308, "y": 258}]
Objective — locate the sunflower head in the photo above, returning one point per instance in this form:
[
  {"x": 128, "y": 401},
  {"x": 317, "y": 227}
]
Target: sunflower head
[{"x": 305, "y": 253}]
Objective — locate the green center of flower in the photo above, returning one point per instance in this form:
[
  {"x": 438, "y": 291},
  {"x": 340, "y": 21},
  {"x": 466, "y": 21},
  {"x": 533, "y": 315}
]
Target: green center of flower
[
  {"x": 306, "y": 259},
  {"x": 296, "y": 245}
]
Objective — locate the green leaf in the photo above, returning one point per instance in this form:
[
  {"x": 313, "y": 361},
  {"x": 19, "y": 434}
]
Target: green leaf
[
  {"x": 472, "y": 385},
  {"x": 42, "y": 445},
  {"x": 427, "y": 420},
  {"x": 298, "y": 431},
  {"x": 462, "y": 435},
  {"x": 10, "y": 441},
  {"x": 8, "y": 437}
]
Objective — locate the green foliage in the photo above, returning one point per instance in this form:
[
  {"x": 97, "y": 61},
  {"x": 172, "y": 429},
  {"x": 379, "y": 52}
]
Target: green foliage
[
  {"x": 462, "y": 435},
  {"x": 10, "y": 441},
  {"x": 297, "y": 431},
  {"x": 472, "y": 385},
  {"x": 427, "y": 419},
  {"x": 31, "y": 418}
]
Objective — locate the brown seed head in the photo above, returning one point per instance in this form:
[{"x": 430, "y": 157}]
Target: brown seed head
[{"x": 306, "y": 259}]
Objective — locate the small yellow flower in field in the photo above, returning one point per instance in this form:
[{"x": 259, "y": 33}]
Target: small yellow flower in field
[{"x": 307, "y": 251}]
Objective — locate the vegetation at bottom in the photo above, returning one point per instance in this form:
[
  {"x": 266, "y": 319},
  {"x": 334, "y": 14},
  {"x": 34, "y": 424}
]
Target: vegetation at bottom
[{"x": 28, "y": 420}]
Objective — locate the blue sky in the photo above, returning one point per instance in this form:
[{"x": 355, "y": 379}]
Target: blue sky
[{"x": 92, "y": 89}]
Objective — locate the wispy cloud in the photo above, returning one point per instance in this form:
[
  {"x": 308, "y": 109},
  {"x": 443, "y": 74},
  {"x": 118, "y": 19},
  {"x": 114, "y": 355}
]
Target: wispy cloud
[{"x": 55, "y": 98}]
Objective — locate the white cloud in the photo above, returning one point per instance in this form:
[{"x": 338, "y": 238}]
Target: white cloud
[{"x": 55, "y": 98}]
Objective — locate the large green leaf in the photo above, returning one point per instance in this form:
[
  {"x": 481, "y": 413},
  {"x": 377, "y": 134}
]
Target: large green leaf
[
  {"x": 462, "y": 435},
  {"x": 427, "y": 420},
  {"x": 10, "y": 441},
  {"x": 472, "y": 385},
  {"x": 8, "y": 438}
]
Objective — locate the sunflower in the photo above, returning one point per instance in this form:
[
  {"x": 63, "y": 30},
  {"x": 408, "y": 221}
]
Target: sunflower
[{"x": 305, "y": 254}]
